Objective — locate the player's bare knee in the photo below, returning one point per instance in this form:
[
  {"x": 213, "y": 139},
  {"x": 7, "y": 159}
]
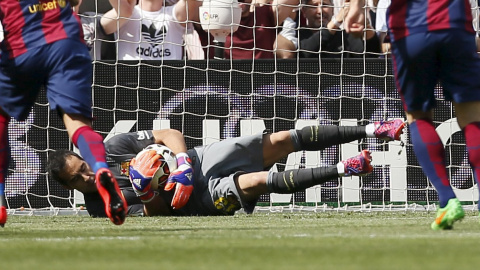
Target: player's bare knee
[
  {"x": 279, "y": 142},
  {"x": 467, "y": 112},
  {"x": 412, "y": 116},
  {"x": 252, "y": 185}
]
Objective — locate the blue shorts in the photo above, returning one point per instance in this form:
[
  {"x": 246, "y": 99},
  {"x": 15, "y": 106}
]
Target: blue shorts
[
  {"x": 422, "y": 60},
  {"x": 63, "y": 67}
]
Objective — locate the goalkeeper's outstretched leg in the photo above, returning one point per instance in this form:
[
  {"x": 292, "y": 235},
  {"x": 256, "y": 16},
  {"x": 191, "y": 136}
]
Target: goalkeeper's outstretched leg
[
  {"x": 252, "y": 185},
  {"x": 315, "y": 138}
]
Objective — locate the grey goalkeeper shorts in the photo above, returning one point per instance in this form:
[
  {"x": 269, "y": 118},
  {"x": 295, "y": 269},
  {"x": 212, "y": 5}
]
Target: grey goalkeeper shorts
[{"x": 215, "y": 168}]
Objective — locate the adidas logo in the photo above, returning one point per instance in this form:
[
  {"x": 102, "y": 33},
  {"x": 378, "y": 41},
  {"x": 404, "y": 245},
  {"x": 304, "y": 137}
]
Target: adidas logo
[
  {"x": 137, "y": 182},
  {"x": 154, "y": 35}
]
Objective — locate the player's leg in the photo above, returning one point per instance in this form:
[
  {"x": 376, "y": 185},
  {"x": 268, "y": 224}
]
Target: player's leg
[
  {"x": 468, "y": 115},
  {"x": 459, "y": 73},
  {"x": 252, "y": 185},
  {"x": 20, "y": 81},
  {"x": 461, "y": 85},
  {"x": 314, "y": 138},
  {"x": 4, "y": 161},
  {"x": 89, "y": 142},
  {"x": 430, "y": 153},
  {"x": 417, "y": 70},
  {"x": 69, "y": 92}
]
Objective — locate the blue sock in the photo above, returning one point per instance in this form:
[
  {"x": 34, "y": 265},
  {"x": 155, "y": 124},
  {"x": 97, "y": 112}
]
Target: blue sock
[
  {"x": 91, "y": 147},
  {"x": 472, "y": 141}
]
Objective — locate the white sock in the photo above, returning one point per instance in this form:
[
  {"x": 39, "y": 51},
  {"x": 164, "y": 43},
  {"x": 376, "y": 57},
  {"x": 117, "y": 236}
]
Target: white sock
[
  {"x": 370, "y": 130},
  {"x": 341, "y": 169}
]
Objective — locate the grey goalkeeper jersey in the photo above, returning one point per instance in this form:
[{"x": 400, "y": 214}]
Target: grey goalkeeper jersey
[{"x": 215, "y": 166}]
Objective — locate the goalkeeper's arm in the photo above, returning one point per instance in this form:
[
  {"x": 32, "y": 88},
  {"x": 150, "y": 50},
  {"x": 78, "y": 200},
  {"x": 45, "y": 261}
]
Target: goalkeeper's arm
[
  {"x": 119, "y": 15},
  {"x": 182, "y": 178},
  {"x": 172, "y": 139}
]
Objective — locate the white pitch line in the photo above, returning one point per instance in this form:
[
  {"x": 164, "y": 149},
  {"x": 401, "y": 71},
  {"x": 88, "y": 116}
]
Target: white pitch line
[{"x": 56, "y": 239}]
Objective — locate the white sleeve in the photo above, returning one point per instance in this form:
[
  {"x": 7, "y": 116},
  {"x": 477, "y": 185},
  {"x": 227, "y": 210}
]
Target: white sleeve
[
  {"x": 381, "y": 16},
  {"x": 289, "y": 31}
]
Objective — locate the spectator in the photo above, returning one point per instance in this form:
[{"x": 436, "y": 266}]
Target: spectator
[
  {"x": 100, "y": 45},
  {"x": 381, "y": 25},
  {"x": 258, "y": 20},
  {"x": 149, "y": 31},
  {"x": 257, "y": 33},
  {"x": 323, "y": 36},
  {"x": 286, "y": 44}
]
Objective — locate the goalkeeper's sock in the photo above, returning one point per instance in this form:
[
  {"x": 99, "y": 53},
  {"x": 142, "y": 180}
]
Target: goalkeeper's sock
[
  {"x": 472, "y": 141},
  {"x": 430, "y": 154},
  {"x": 314, "y": 138},
  {"x": 91, "y": 147},
  {"x": 291, "y": 181}
]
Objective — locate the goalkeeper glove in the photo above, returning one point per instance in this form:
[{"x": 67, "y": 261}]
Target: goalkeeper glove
[
  {"x": 141, "y": 171},
  {"x": 182, "y": 180}
]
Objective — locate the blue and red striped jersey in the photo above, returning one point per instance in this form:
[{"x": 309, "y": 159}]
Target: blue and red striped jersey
[
  {"x": 31, "y": 23},
  {"x": 407, "y": 17}
]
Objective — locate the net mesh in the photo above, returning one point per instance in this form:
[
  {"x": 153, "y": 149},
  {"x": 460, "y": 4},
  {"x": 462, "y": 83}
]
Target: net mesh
[{"x": 213, "y": 99}]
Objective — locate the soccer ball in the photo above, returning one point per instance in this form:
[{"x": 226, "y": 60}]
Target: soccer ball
[{"x": 167, "y": 163}]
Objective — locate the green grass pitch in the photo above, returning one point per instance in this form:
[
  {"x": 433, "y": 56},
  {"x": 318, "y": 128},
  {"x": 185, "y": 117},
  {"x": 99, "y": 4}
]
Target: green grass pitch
[{"x": 326, "y": 240}]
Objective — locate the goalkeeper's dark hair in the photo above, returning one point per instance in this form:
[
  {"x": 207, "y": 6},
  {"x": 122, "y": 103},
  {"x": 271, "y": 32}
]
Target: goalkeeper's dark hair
[{"x": 56, "y": 164}]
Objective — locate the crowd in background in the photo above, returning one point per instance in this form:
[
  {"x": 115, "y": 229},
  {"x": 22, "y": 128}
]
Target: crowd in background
[{"x": 171, "y": 30}]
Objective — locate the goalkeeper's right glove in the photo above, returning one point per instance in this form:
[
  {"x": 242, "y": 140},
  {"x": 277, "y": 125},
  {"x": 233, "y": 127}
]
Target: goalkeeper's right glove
[
  {"x": 141, "y": 172},
  {"x": 182, "y": 180}
]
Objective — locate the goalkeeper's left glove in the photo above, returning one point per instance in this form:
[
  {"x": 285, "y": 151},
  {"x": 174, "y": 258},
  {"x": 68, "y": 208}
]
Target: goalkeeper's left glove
[{"x": 182, "y": 180}]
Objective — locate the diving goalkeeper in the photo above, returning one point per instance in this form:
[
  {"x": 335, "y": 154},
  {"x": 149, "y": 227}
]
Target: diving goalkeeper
[{"x": 219, "y": 178}]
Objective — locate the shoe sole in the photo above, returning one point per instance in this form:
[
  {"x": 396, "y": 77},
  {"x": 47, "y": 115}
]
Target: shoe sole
[{"x": 116, "y": 209}]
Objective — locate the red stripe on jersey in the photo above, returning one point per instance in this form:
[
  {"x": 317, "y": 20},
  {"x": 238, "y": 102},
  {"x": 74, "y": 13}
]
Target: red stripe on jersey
[
  {"x": 81, "y": 34},
  {"x": 469, "y": 17},
  {"x": 398, "y": 9},
  {"x": 51, "y": 31},
  {"x": 13, "y": 26},
  {"x": 438, "y": 16}
]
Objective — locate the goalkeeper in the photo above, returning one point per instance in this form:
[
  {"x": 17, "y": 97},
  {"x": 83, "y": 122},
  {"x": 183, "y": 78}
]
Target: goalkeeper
[{"x": 219, "y": 178}]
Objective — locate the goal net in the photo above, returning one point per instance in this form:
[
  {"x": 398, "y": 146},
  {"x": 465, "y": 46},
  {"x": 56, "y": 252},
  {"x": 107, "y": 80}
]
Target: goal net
[{"x": 209, "y": 100}]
